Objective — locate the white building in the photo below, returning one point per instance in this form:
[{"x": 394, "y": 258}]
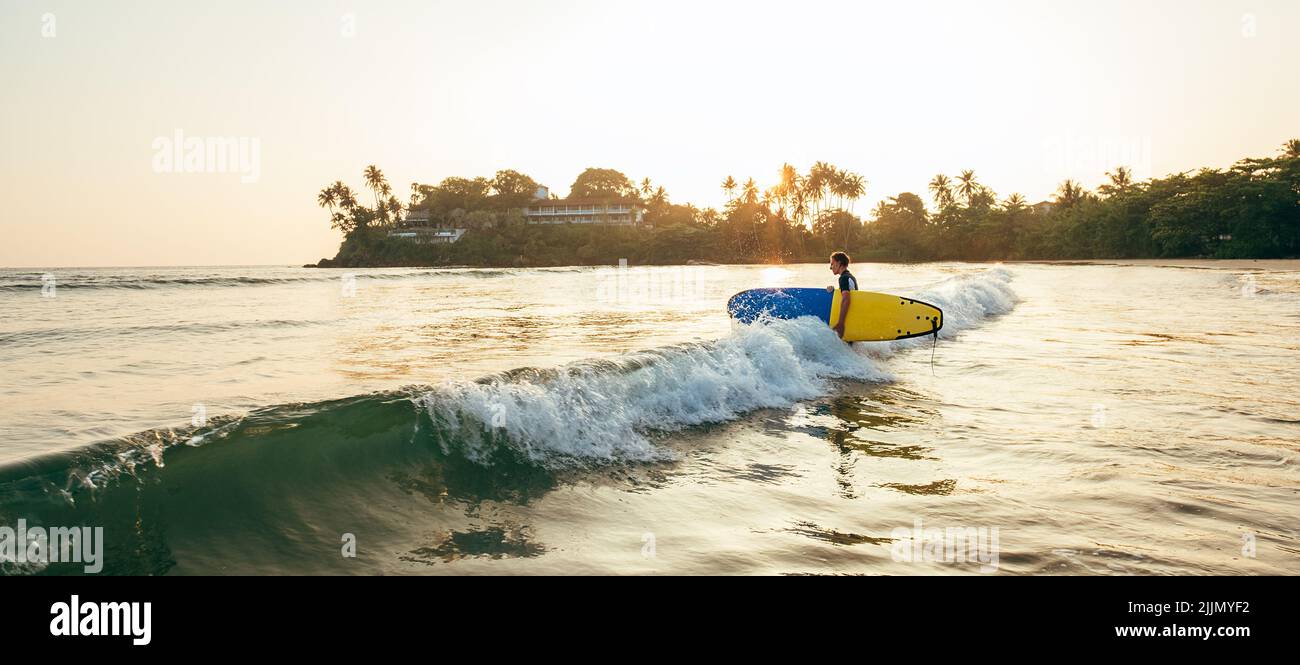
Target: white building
[
  {"x": 427, "y": 234},
  {"x": 585, "y": 211},
  {"x": 416, "y": 228}
]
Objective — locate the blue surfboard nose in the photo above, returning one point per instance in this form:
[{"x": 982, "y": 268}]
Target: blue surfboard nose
[{"x": 749, "y": 306}]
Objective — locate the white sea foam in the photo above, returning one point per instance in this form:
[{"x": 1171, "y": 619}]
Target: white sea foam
[
  {"x": 969, "y": 300},
  {"x": 605, "y": 411},
  {"x": 609, "y": 411}
]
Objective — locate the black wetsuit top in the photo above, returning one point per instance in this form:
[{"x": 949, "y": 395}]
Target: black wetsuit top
[{"x": 847, "y": 281}]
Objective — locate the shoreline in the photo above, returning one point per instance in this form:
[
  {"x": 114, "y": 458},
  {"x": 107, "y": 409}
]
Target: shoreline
[
  {"x": 1194, "y": 264},
  {"x": 1197, "y": 264}
]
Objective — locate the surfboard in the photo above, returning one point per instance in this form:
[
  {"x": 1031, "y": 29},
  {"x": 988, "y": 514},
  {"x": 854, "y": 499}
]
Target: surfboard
[{"x": 873, "y": 317}]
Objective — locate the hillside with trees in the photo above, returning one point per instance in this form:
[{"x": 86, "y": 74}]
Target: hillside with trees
[{"x": 1251, "y": 210}]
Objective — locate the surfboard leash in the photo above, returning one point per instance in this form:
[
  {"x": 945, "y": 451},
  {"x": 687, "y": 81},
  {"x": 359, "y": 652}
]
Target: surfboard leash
[{"x": 934, "y": 331}]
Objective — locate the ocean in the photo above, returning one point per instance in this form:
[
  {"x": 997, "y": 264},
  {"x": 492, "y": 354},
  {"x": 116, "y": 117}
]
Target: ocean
[{"x": 1069, "y": 419}]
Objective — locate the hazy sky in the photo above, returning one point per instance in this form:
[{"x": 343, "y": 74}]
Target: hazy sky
[{"x": 686, "y": 93}]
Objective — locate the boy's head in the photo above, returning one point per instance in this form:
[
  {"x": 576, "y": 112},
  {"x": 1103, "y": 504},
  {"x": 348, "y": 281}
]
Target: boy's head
[{"x": 839, "y": 262}]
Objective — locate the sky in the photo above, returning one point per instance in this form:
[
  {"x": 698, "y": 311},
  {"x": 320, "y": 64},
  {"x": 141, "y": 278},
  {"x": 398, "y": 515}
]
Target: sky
[{"x": 685, "y": 93}]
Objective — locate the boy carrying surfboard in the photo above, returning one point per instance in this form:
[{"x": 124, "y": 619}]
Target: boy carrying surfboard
[
  {"x": 876, "y": 317},
  {"x": 840, "y": 266}
]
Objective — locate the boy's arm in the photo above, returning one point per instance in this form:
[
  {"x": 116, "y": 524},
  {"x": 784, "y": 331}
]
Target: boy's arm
[
  {"x": 844, "y": 312},
  {"x": 844, "y": 304}
]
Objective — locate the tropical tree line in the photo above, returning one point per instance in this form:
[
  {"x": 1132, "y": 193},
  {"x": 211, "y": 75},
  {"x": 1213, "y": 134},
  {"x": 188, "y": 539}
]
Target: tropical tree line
[{"x": 1249, "y": 210}]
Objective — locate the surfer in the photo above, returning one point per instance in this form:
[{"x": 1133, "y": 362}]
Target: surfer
[{"x": 840, "y": 266}]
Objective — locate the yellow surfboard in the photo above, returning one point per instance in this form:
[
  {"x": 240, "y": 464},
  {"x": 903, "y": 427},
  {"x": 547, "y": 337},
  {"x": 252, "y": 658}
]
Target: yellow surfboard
[{"x": 879, "y": 317}]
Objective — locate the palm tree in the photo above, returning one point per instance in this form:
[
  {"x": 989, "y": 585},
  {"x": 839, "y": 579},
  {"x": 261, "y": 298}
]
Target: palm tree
[
  {"x": 854, "y": 187},
  {"x": 800, "y": 208},
  {"x": 395, "y": 207},
  {"x": 1291, "y": 149},
  {"x": 789, "y": 185},
  {"x": 375, "y": 181},
  {"x": 967, "y": 186},
  {"x": 1121, "y": 179},
  {"x": 347, "y": 198},
  {"x": 386, "y": 194},
  {"x": 833, "y": 185},
  {"x": 1014, "y": 203},
  {"x": 941, "y": 187},
  {"x": 840, "y": 186},
  {"x": 749, "y": 196},
  {"x": 1070, "y": 193},
  {"x": 818, "y": 183},
  {"x": 729, "y": 186},
  {"x": 338, "y": 195},
  {"x": 646, "y": 187},
  {"x": 327, "y": 198}
]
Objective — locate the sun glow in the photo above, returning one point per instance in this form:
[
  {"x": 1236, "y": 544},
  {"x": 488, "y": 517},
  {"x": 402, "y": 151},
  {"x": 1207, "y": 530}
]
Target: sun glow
[{"x": 776, "y": 276}]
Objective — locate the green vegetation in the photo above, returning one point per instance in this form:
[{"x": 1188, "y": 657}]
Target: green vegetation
[
  {"x": 603, "y": 183},
  {"x": 1251, "y": 210}
]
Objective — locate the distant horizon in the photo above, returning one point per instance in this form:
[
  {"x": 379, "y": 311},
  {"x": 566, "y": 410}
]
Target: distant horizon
[{"x": 1167, "y": 261}]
